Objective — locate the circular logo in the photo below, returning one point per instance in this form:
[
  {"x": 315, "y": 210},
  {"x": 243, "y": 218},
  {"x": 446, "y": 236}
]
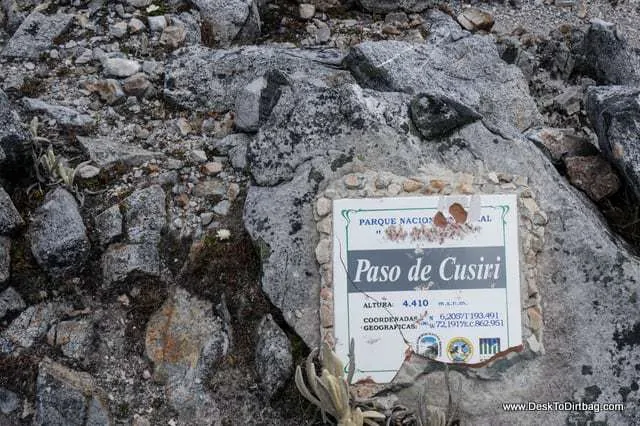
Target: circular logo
[
  {"x": 459, "y": 349},
  {"x": 429, "y": 345}
]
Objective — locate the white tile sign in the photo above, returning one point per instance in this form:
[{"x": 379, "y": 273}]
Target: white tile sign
[{"x": 437, "y": 275}]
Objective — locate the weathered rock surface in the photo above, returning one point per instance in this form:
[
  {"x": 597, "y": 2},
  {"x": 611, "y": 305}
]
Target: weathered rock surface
[
  {"x": 32, "y": 324},
  {"x": 10, "y": 218},
  {"x": 123, "y": 261},
  {"x": 614, "y": 112},
  {"x": 108, "y": 225},
  {"x": 15, "y": 142},
  {"x": 594, "y": 175},
  {"x": 120, "y": 67},
  {"x": 10, "y": 301},
  {"x": 474, "y": 19},
  {"x": 492, "y": 88},
  {"x": 604, "y": 54},
  {"x": 561, "y": 143},
  {"x": 185, "y": 340},
  {"x": 203, "y": 79},
  {"x": 274, "y": 362},
  {"x": 9, "y": 401},
  {"x": 58, "y": 236},
  {"x": 579, "y": 263},
  {"x": 256, "y": 100},
  {"x": 225, "y": 22},
  {"x": 65, "y": 116},
  {"x": 73, "y": 337},
  {"x": 436, "y": 116},
  {"x": 145, "y": 215},
  {"x": 36, "y": 35},
  {"x": 5, "y": 261},
  {"x": 68, "y": 397},
  {"x": 384, "y": 6},
  {"x": 107, "y": 153}
]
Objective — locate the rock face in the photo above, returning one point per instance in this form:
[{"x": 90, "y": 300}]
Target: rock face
[
  {"x": 10, "y": 301},
  {"x": 5, "y": 261},
  {"x": 10, "y": 219},
  {"x": 36, "y": 35},
  {"x": 58, "y": 236},
  {"x": 32, "y": 324},
  {"x": 145, "y": 215},
  {"x": 436, "y": 116},
  {"x": 493, "y": 89},
  {"x": 68, "y": 397},
  {"x": 107, "y": 153},
  {"x": 384, "y": 6},
  {"x": 274, "y": 362},
  {"x": 202, "y": 79},
  {"x": 614, "y": 112},
  {"x": 122, "y": 261},
  {"x": 15, "y": 142},
  {"x": 604, "y": 55},
  {"x": 225, "y": 22},
  {"x": 63, "y": 115},
  {"x": 578, "y": 262},
  {"x": 593, "y": 175},
  {"x": 73, "y": 337},
  {"x": 184, "y": 340}
]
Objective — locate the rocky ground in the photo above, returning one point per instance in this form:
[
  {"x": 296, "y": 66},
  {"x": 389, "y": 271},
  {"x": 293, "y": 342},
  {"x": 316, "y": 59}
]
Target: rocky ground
[{"x": 160, "y": 162}]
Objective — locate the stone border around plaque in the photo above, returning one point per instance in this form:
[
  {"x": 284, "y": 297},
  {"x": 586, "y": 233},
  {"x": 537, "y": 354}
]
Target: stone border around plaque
[{"x": 360, "y": 182}]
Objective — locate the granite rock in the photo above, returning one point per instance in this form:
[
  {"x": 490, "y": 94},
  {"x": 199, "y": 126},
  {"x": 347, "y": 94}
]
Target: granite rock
[
  {"x": 68, "y": 397},
  {"x": 36, "y": 35},
  {"x": 65, "y": 116},
  {"x": 274, "y": 361},
  {"x": 614, "y": 112},
  {"x": 10, "y": 219},
  {"x": 58, "y": 236}
]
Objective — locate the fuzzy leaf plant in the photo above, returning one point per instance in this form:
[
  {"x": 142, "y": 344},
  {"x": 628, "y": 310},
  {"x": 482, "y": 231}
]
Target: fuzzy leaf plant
[{"x": 330, "y": 390}]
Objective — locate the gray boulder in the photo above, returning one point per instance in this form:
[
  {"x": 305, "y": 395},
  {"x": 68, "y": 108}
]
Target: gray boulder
[
  {"x": 65, "y": 116},
  {"x": 68, "y": 397},
  {"x": 108, "y": 225},
  {"x": 604, "y": 55},
  {"x": 274, "y": 361},
  {"x": 124, "y": 261},
  {"x": 9, "y": 401},
  {"x": 145, "y": 215},
  {"x": 202, "y": 79},
  {"x": 444, "y": 67},
  {"x": 185, "y": 340},
  {"x": 614, "y": 112},
  {"x": 73, "y": 337},
  {"x": 36, "y": 35},
  {"x": 10, "y": 218},
  {"x": 59, "y": 241},
  {"x": 10, "y": 301},
  {"x": 385, "y": 6},
  {"x": 437, "y": 116},
  {"x": 32, "y": 324},
  {"x": 225, "y": 22},
  {"x": 106, "y": 153},
  {"x": 15, "y": 142},
  {"x": 256, "y": 100},
  {"x": 5, "y": 263}
]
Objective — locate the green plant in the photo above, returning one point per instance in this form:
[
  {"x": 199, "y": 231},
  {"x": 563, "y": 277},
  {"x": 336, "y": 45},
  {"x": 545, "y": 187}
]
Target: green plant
[
  {"x": 330, "y": 391},
  {"x": 52, "y": 169}
]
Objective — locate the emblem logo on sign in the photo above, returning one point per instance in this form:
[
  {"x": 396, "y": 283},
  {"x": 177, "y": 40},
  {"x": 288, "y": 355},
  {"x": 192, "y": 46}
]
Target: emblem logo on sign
[
  {"x": 489, "y": 347},
  {"x": 429, "y": 345},
  {"x": 459, "y": 349}
]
